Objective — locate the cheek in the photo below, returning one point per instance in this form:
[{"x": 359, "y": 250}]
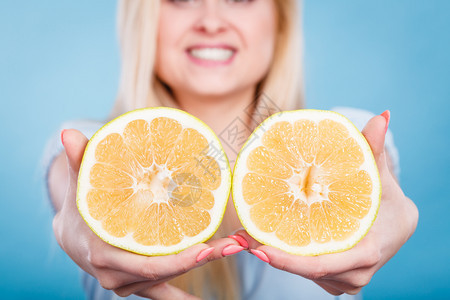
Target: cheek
[
  {"x": 259, "y": 28},
  {"x": 165, "y": 60},
  {"x": 266, "y": 46},
  {"x": 261, "y": 43},
  {"x": 169, "y": 33}
]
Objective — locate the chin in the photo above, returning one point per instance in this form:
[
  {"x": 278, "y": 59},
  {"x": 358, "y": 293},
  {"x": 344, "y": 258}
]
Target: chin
[
  {"x": 217, "y": 91},
  {"x": 216, "y": 88}
]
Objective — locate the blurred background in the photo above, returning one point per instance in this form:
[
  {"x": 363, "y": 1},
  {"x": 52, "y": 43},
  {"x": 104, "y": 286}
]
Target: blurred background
[{"x": 59, "y": 60}]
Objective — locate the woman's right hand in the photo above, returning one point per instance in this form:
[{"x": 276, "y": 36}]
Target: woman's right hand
[{"x": 123, "y": 272}]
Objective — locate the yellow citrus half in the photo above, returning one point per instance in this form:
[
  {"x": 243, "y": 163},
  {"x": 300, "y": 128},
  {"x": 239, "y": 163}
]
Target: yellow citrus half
[
  {"x": 306, "y": 182},
  {"x": 154, "y": 181}
]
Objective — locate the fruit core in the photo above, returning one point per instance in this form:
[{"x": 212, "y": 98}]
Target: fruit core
[
  {"x": 153, "y": 184},
  {"x": 306, "y": 186}
]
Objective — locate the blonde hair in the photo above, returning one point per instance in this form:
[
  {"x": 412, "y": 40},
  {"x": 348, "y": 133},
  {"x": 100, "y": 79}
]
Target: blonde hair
[{"x": 139, "y": 87}]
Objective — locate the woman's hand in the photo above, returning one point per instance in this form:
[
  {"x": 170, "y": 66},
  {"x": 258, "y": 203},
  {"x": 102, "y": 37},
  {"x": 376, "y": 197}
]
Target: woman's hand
[
  {"x": 349, "y": 271},
  {"x": 121, "y": 271}
]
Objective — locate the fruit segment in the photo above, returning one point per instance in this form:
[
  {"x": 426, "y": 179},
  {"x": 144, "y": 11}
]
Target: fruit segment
[
  {"x": 191, "y": 219},
  {"x": 257, "y": 188},
  {"x": 164, "y": 134},
  {"x": 279, "y": 139},
  {"x": 331, "y": 135},
  {"x": 105, "y": 176},
  {"x": 120, "y": 220},
  {"x": 102, "y": 202},
  {"x": 319, "y": 224},
  {"x": 137, "y": 138},
  {"x": 188, "y": 147},
  {"x": 295, "y": 228},
  {"x": 169, "y": 228},
  {"x": 359, "y": 183},
  {"x": 203, "y": 167},
  {"x": 268, "y": 213},
  {"x": 206, "y": 200},
  {"x": 147, "y": 232},
  {"x": 305, "y": 139},
  {"x": 353, "y": 204},
  {"x": 263, "y": 161},
  {"x": 185, "y": 195},
  {"x": 343, "y": 161},
  {"x": 340, "y": 224}
]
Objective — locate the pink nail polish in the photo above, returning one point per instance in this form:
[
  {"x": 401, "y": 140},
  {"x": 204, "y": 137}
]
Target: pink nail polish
[
  {"x": 261, "y": 255},
  {"x": 231, "y": 249},
  {"x": 387, "y": 115},
  {"x": 240, "y": 240},
  {"x": 62, "y": 136},
  {"x": 204, "y": 253}
]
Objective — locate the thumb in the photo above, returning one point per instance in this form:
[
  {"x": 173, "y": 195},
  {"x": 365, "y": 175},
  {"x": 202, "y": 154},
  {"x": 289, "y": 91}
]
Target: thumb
[
  {"x": 74, "y": 143},
  {"x": 375, "y": 132}
]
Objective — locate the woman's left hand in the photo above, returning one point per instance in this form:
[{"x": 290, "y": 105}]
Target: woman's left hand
[{"x": 349, "y": 271}]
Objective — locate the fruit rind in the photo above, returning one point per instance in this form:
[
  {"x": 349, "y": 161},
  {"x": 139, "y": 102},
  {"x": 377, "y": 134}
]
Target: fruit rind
[
  {"x": 221, "y": 194},
  {"x": 240, "y": 169}
]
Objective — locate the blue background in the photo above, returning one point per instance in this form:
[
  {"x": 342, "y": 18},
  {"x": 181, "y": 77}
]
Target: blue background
[{"x": 59, "y": 60}]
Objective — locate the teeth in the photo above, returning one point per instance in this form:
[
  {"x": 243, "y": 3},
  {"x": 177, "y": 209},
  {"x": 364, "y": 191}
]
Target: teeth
[{"x": 216, "y": 54}]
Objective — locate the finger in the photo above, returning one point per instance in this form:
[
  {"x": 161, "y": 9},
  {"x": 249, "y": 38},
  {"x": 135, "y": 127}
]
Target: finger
[
  {"x": 153, "y": 267},
  {"x": 133, "y": 288},
  {"x": 160, "y": 267},
  {"x": 74, "y": 143},
  {"x": 243, "y": 242},
  {"x": 330, "y": 289},
  {"x": 357, "y": 278},
  {"x": 367, "y": 261},
  {"x": 252, "y": 243},
  {"x": 375, "y": 132},
  {"x": 222, "y": 244},
  {"x": 340, "y": 287},
  {"x": 152, "y": 290},
  {"x": 364, "y": 254},
  {"x": 112, "y": 279},
  {"x": 165, "y": 291}
]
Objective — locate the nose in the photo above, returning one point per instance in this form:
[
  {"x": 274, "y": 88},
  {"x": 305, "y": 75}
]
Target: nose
[{"x": 210, "y": 18}]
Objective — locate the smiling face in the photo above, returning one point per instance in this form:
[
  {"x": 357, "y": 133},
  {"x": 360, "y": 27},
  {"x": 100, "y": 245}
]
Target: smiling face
[{"x": 215, "y": 47}]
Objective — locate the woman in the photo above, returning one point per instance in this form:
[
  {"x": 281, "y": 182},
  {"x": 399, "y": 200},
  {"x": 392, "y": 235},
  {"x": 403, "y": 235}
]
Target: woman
[{"x": 213, "y": 58}]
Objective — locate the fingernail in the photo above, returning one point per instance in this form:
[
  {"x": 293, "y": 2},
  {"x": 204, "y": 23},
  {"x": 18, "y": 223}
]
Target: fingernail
[
  {"x": 261, "y": 255},
  {"x": 231, "y": 249},
  {"x": 239, "y": 229},
  {"x": 204, "y": 253},
  {"x": 240, "y": 240},
  {"x": 62, "y": 136},
  {"x": 387, "y": 115}
]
